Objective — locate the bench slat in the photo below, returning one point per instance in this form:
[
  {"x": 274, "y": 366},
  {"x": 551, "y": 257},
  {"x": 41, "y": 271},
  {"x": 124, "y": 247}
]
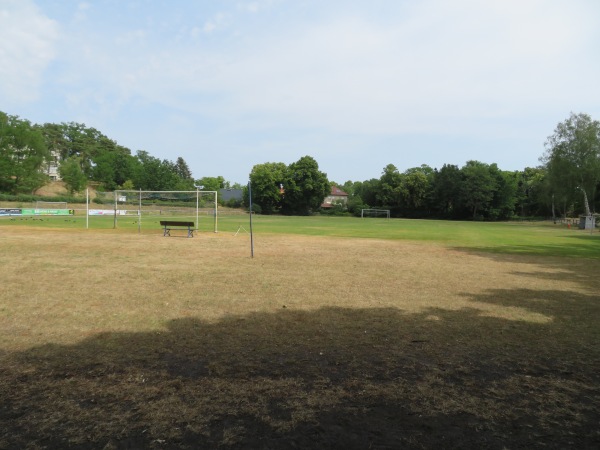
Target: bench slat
[{"x": 174, "y": 223}]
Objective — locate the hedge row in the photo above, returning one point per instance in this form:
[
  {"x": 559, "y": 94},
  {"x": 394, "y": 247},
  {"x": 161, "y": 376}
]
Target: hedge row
[{"x": 28, "y": 198}]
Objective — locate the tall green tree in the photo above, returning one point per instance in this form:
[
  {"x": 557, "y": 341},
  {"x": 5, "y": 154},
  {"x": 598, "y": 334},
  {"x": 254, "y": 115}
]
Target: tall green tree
[
  {"x": 182, "y": 169},
  {"x": 23, "y": 155},
  {"x": 572, "y": 160},
  {"x": 477, "y": 187},
  {"x": 531, "y": 194},
  {"x": 368, "y": 191},
  {"x": 305, "y": 187},
  {"x": 446, "y": 186},
  {"x": 72, "y": 174},
  {"x": 211, "y": 183},
  {"x": 390, "y": 187},
  {"x": 416, "y": 188},
  {"x": 267, "y": 183},
  {"x": 504, "y": 197},
  {"x": 153, "y": 174}
]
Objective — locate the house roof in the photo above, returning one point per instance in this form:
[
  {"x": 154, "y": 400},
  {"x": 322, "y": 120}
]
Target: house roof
[{"x": 338, "y": 192}]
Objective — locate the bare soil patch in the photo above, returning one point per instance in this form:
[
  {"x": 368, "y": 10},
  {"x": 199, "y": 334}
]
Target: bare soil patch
[
  {"x": 53, "y": 188},
  {"x": 57, "y": 188},
  {"x": 114, "y": 340}
]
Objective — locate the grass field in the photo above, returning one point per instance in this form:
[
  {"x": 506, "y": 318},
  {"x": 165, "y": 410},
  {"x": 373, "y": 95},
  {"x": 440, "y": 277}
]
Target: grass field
[{"x": 339, "y": 333}]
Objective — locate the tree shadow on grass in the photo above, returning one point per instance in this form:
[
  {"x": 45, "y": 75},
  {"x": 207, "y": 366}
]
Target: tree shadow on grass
[
  {"x": 584, "y": 246},
  {"x": 330, "y": 378}
]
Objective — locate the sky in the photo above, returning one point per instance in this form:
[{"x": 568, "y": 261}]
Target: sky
[{"x": 357, "y": 85}]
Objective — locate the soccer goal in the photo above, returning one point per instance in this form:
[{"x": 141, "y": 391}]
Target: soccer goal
[
  {"x": 375, "y": 213},
  {"x": 43, "y": 208},
  {"x": 151, "y": 207},
  {"x": 39, "y": 204}
]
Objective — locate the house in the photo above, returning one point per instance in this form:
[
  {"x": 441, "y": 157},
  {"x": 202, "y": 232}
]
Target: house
[
  {"x": 336, "y": 197},
  {"x": 51, "y": 166}
]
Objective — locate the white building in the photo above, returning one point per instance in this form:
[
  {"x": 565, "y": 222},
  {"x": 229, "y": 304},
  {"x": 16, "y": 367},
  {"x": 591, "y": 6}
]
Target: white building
[{"x": 51, "y": 167}]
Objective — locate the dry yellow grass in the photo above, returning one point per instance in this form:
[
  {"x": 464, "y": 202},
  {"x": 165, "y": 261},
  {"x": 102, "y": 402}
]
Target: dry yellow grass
[
  {"x": 119, "y": 339},
  {"x": 61, "y": 286}
]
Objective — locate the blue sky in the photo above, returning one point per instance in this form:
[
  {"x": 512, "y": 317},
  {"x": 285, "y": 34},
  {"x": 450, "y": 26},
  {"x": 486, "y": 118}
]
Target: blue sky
[{"x": 228, "y": 84}]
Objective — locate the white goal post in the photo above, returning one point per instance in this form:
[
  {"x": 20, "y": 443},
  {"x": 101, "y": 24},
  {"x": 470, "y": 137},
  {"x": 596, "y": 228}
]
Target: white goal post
[
  {"x": 39, "y": 204},
  {"x": 148, "y": 206},
  {"x": 375, "y": 213}
]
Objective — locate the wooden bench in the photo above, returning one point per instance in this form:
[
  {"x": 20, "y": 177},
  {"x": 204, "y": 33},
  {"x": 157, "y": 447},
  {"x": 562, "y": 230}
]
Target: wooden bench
[{"x": 177, "y": 225}]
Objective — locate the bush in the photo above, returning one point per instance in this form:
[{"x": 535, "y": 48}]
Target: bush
[
  {"x": 338, "y": 209},
  {"x": 233, "y": 203},
  {"x": 28, "y": 198}
]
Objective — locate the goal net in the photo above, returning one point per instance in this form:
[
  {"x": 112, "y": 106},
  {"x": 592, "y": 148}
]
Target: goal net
[
  {"x": 43, "y": 208},
  {"x": 385, "y": 213},
  {"x": 150, "y": 207},
  {"x": 39, "y": 204}
]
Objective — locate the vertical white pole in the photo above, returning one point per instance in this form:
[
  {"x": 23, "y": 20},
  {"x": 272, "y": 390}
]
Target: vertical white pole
[
  {"x": 115, "y": 221},
  {"x": 251, "y": 231},
  {"x": 216, "y": 226},
  {"x": 87, "y": 208},
  {"x": 197, "y": 203},
  {"x": 140, "y": 213}
]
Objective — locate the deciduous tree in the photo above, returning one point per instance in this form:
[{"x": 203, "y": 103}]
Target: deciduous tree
[
  {"x": 572, "y": 160},
  {"x": 477, "y": 187},
  {"x": 23, "y": 154},
  {"x": 446, "y": 191},
  {"x": 266, "y": 180},
  {"x": 72, "y": 174},
  {"x": 305, "y": 187},
  {"x": 389, "y": 191}
]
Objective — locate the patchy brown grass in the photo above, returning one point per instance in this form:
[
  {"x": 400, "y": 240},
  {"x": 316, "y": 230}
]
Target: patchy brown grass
[{"x": 111, "y": 340}]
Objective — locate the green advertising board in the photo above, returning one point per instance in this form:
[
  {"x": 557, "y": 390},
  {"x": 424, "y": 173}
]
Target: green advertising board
[{"x": 47, "y": 212}]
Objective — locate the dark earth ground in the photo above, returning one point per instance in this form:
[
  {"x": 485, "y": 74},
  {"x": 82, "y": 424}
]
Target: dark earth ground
[{"x": 331, "y": 378}]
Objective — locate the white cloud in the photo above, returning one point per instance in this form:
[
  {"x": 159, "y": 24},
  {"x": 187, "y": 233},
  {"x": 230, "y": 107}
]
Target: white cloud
[
  {"x": 81, "y": 13},
  {"x": 338, "y": 75},
  {"x": 255, "y": 6},
  {"x": 441, "y": 67},
  {"x": 217, "y": 22},
  {"x": 27, "y": 46},
  {"x": 445, "y": 62}
]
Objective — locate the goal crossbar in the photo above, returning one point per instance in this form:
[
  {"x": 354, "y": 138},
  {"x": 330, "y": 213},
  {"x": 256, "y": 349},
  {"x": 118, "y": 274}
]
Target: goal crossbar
[
  {"x": 158, "y": 202},
  {"x": 375, "y": 213}
]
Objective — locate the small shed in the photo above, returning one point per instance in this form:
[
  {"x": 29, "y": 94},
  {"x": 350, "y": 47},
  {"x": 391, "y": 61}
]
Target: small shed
[{"x": 587, "y": 222}]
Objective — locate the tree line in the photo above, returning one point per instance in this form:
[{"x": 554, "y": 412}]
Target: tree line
[
  {"x": 476, "y": 191},
  {"x": 83, "y": 154},
  {"x": 565, "y": 183}
]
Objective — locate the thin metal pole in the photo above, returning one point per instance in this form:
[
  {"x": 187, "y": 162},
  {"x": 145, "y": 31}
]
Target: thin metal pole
[
  {"x": 115, "y": 222},
  {"x": 87, "y": 208},
  {"x": 197, "y": 202},
  {"x": 216, "y": 226},
  {"x": 251, "y": 232},
  {"x": 140, "y": 214}
]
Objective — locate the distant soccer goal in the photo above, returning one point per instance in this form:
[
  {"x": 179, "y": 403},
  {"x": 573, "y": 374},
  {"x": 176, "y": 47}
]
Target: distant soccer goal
[
  {"x": 150, "y": 207},
  {"x": 384, "y": 213},
  {"x": 50, "y": 205}
]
